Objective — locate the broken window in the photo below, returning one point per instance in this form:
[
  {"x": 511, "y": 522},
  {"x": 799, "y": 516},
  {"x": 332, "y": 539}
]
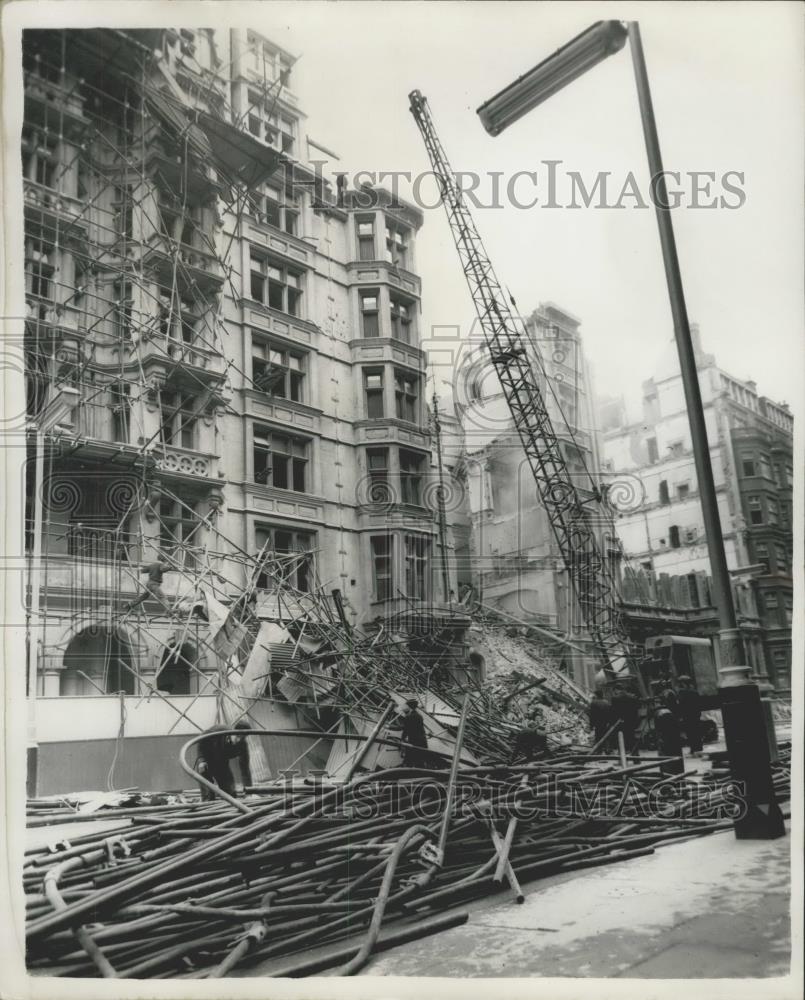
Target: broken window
[
  {"x": 755, "y": 510},
  {"x": 748, "y": 466},
  {"x": 295, "y": 550},
  {"x": 370, "y": 320},
  {"x": 373, "y": 389},
  {"x": 406, "y": 390},
  {"x": 417, "y": 549},
  {"x": 280, "y": 460},
  {"x": 762, "y": 555},
  {"x": 682, "y": 490},
  {"x": 382, "y": 567},
  {"x": 278, "y": 372}
]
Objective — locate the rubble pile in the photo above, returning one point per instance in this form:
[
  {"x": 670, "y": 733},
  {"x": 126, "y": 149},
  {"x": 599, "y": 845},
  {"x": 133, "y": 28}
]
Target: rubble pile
[{"x": 525, "y": 681}]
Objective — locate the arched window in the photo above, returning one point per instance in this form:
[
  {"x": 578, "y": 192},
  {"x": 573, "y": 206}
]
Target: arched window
[
  {"x": 176, "y": 674},
  {"x": 97, "y": 660}
]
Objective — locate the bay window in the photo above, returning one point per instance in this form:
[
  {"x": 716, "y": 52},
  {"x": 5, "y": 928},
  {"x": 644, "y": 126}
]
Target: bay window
[
  {"x": 366, "y": 238},
  {"x": 406, "y": 391},
  {"x": 755, "y": 510},
  {"x": 417, "y": 550},
  {"x": 397, "y": 244},
  {"x": 377, "y": 460},
  {"x": 412, "y": 467},
  {"x": 401, "y": 313},
  {"x": 370, "y": 318},
  {"x": 382, "y": 567},
  {"x": 373, "y": 390}
]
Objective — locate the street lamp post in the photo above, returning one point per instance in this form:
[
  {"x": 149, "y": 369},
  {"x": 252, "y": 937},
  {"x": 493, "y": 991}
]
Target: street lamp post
[{"x": 741, "y": 707}]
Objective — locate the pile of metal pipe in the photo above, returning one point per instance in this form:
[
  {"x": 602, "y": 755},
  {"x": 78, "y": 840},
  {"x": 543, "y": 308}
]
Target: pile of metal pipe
[{"x": 202, "y": 890}]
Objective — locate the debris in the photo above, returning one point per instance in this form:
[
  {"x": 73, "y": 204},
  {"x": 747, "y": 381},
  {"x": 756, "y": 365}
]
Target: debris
[{"x": 198, "y": 874}]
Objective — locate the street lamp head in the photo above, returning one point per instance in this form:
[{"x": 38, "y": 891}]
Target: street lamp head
[{"x": 586, "y": 50}]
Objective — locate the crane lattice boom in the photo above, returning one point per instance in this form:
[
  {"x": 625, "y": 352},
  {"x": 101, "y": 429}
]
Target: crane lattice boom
[{"x": 508, "y": 342}]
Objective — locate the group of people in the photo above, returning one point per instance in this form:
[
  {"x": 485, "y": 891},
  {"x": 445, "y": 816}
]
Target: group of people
[
  {"x": 620, "y": 712},
  {"x": 678, "y": 711},
  {"x": 674, "y": 711}
]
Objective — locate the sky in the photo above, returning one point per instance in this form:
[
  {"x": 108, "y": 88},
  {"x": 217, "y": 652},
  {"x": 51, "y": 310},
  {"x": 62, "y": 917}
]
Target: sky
[{"x": 727, "y": 83}]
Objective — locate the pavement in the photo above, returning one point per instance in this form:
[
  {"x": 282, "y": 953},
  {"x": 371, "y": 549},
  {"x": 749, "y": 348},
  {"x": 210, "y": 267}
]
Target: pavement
[{"x": 708, "y": 908}]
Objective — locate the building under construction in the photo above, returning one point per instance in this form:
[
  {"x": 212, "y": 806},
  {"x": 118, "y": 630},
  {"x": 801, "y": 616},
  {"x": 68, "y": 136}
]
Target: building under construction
[{"x": 222, "y": 361}]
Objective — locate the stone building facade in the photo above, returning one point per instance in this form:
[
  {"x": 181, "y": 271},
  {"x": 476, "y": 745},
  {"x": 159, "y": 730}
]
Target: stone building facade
[
  {"x": 661, "y": 527},
  {"x": 222, "y": 357}
]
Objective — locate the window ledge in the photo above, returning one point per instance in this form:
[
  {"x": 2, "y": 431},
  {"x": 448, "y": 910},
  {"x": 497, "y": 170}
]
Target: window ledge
[
  {"x": 305, "y": 324},
  {"x": 296, "y": 241},
  {"x": 276, "y": 493},
  {"x": 393, "y": 422},
  {"x": 292, "y": 404}
]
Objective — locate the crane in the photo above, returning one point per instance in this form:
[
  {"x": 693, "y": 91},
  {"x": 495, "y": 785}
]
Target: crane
[{"x": 508, "y": 342}]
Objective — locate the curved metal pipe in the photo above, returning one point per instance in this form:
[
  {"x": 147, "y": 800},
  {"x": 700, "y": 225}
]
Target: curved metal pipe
[
  {"x": 357, "y": 963},
  {"x": 51, "y": 888}
]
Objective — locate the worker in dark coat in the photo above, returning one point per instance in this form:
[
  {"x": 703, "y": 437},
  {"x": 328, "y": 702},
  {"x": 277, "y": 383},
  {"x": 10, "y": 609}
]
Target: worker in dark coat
[
  {"x": 601, "y": 719},
  {"x": 153, "y": 585},
  {"x": 529, "y": 743},
  {"x": 214, "y": 753},
  {"x": 690, "y": 712},
  {"x": 626, "y": 709},
  {"x": 669, "y": 741},
  {"x": 669, "y": 698},
  {"x": 413, "y": 736}
]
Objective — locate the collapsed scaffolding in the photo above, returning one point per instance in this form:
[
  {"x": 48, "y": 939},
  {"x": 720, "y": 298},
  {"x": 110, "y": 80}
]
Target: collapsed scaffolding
[{"x": 131, "y": 198}]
